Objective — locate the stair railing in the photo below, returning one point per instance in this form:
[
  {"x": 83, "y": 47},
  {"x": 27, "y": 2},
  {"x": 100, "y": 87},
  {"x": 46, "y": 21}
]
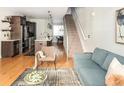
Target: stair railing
[
  {"x": 76, "y": 17},
  {"x": 67, "y": 49}
]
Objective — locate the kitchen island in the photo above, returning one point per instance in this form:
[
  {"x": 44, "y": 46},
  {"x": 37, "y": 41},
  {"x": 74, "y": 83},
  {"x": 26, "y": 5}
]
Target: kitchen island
[{"x": 39, "y": 43}]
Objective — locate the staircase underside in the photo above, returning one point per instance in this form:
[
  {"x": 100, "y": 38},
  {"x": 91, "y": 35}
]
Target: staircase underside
[{"x": 74, "y": 44}]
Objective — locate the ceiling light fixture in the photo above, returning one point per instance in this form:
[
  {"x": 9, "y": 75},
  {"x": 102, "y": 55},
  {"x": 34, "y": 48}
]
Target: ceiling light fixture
[{"x": 50, "y": 21}]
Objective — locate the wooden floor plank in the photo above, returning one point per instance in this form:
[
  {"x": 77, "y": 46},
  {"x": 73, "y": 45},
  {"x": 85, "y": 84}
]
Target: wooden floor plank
[{"x": 11, "y": 68}]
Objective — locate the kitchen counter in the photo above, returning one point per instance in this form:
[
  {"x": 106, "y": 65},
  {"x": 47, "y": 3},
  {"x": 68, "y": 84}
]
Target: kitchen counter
[
  {"x": 11, "y": 40},
  {"x": 39, "y": 43},
  {"x": 43, "y": 39},
  {"x": 12, "y": 45}
]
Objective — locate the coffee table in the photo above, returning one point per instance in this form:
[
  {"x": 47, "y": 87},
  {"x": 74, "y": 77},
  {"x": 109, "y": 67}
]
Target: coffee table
[{"x": 35, "y": 77}]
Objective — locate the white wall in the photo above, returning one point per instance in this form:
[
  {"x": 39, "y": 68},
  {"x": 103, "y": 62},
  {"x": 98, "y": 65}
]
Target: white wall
[
  {"x": 41, "y": 27},
  {"x": 3, "y": 13},
  {"x": 102, "y": 26}
]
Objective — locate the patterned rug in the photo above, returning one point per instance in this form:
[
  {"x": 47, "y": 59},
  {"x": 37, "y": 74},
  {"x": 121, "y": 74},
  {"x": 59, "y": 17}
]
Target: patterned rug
[{"x": 58, "y": 77}]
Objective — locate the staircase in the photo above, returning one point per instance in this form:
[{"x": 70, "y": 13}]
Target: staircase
[{"x": 72, "y": 38}]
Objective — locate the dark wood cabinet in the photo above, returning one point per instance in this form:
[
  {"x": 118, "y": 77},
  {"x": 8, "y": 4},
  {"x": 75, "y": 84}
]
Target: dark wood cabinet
[
  {"x": 49, "y": 43},
  {"x": 28, "y": 42},
  {"x": 31, "y": 28},
  {"x": 23, "y": 20},
  {"x": 16, "y": 27},
  {"x": 10, "y": 48},
  {"x": 23, "y": 34}
]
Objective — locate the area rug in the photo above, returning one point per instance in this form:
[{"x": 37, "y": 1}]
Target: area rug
[{"x": 58, "y": 77}]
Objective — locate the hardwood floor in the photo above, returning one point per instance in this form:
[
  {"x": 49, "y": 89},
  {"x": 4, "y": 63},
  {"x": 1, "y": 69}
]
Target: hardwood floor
[{"x": 11, "y": 68}]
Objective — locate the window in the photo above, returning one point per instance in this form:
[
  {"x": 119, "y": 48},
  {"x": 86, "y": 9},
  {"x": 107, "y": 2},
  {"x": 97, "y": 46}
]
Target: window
[{"x": 58, "y": 30}]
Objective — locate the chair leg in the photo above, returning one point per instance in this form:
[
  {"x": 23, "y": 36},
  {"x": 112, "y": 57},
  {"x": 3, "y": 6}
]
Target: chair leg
[{"x": 55, "y": 64}]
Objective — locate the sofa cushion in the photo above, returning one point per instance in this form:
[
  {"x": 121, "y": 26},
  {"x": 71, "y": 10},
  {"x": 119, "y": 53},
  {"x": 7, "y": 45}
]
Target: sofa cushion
[
  {"x": 89, "y": 72},
  {"x": 86, "y": 63},
  {"x": 109, "y": 59},
  {"x": 86, "y": 55},
  {"x": 99, "y": 56},
  {"x": 83, "y": 60},
  {"x": 92, "y": 76}
]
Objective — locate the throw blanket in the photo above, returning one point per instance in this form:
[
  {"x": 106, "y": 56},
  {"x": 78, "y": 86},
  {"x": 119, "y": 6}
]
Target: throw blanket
[{"x": 38, "y": 57}]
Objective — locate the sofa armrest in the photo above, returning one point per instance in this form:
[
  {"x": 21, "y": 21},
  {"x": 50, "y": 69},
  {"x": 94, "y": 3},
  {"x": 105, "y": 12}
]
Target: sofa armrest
[{"x": 86, "y": 55}]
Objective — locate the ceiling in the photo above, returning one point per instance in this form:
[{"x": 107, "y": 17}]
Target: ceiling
[{"x": 41, "y": 12}]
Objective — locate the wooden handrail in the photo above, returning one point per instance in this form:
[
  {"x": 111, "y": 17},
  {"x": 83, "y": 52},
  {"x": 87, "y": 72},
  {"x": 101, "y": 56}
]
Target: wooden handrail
[{"x": 76, "y": 17}]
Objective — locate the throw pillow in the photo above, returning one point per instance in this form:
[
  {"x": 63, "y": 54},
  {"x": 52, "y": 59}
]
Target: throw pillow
[
  {"x": 115, "y": 80},
  {"x": 109, "y": 59},
  {"x": 115, "y": 73},
  {"x": 99, "y": 56}
]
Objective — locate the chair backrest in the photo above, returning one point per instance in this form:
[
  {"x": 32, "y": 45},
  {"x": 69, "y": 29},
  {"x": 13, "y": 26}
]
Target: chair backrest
[{"x": 49, "y": 50}]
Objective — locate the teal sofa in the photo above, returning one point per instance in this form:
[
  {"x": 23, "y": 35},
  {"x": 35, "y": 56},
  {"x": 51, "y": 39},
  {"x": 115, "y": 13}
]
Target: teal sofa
[{"x": 92, "y": 67}]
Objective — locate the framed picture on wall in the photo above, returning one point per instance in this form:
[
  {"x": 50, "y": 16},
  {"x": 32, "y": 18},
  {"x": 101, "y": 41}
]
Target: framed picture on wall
[{"x": 120, "y": 26}]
